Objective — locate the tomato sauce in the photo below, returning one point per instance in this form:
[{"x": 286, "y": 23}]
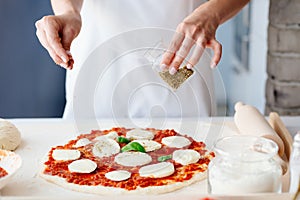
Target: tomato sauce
[{"x": 3, "y": 172}]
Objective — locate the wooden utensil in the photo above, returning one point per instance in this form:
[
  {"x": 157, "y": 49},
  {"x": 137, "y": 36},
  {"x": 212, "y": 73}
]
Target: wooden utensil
[{"x": 277, "y": 124}]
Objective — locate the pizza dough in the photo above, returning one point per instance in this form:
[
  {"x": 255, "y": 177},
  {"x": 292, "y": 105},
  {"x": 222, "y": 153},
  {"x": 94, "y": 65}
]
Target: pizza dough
[
  {"x": 10, "y": 136},
  {"x": 102, "y": 190}
]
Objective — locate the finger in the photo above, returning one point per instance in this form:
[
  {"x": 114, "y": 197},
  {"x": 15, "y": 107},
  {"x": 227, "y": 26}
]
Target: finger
[
  {"x": 69, "y": 53},
  {"x": 197, "y": 53},
  {"x": 57, "y": 59},
  {"x": 181, "y": 54},
  {"x": 67, "y": 38},
  {"x": 55, "y": 42},
  {"x": 71, "y": 60},
  {"x": 53, "y": 38},
  {"x": 71, "y": 63},
  {"x": 217, "y": 48},
  {"x": 172, "y": 49},
  {"x": 40, "y": 33},
  {"x": 43, "y": 39}
]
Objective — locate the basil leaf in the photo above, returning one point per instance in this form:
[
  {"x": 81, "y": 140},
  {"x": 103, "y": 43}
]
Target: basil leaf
[
  {"x": 122, "y": 140},
  {"x": 164, "y": 158},
  {"x": 133, "y": 146}
]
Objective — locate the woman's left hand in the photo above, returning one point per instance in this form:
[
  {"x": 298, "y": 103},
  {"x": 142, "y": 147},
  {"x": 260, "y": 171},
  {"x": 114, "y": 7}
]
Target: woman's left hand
[{"x": 199, "y": 30}]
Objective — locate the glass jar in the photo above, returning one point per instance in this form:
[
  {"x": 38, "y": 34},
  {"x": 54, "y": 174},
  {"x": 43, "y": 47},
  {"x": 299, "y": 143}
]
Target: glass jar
[{"x": 244, "y": 164}]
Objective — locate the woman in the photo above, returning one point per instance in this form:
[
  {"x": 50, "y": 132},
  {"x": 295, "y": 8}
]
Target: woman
[{"x": 96, "y": 21}]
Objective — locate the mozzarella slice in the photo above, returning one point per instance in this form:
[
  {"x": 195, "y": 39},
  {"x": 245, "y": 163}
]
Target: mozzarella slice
[
  {"x": 65, "y": 154},
  {"x": 82, "y": 142},
  {"x": 186, "y": 156},
  {"x": 118, "y": 175},
  {"x": 149, "y": 145},
  {"x": 111, "y": 135},
  {"x": 133, "y": 159},
  {"x": 82, "y": 166},
  {"x": 158, "y": 170},
  {"x": 176, "y": 141},
  {"x": 105, "y": 147},
  {"x": 99, "y": 137},
  {"x": 139, "y": 134}
]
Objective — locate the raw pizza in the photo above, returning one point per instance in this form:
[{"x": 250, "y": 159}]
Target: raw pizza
[{"x": 131, "y": 161}]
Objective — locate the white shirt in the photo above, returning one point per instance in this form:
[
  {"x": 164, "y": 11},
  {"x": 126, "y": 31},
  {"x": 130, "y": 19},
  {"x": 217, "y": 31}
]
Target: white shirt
[{"x": 112, "y": 78}]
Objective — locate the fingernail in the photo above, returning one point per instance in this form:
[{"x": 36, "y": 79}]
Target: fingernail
[
  {"x": 64, "y": 59},
  {"x": 172, "y": 70},
  {"x": 64, "y": 65},
  {"x": 213, "y": 65},
  {"x": 189, "y": 66},
  {"x": 163, "y": 67},
  {"x": 69, "y": 53}
]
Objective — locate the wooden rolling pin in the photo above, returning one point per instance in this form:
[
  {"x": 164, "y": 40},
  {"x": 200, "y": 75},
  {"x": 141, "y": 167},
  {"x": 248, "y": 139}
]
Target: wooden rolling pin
[{"x": 251, "y": 122}]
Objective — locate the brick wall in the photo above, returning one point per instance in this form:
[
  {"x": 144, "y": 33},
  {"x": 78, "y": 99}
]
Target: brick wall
[{"x": 283, "y": 65}]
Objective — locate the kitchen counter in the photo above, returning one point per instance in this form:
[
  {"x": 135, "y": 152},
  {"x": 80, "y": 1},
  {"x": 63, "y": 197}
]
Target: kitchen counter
[{"x": 38, "y": 135}]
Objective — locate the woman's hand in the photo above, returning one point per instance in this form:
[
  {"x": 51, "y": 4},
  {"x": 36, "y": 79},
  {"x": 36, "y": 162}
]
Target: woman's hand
[
  {"x": 197, "y": 29},
  {"x": 56, "y": 34}
]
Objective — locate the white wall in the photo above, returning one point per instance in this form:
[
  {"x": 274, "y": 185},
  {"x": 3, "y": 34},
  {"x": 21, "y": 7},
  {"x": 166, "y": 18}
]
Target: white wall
[
  {"x": 222, "y": 72},
  {"x": 240, "y": 84}
]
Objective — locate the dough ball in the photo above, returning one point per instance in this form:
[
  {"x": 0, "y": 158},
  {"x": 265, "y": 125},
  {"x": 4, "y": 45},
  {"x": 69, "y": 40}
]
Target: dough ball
[{"x": 10, "y": 137}]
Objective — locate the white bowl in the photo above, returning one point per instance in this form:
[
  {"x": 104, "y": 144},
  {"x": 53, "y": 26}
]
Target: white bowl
[{"x": 10, "y": 162}]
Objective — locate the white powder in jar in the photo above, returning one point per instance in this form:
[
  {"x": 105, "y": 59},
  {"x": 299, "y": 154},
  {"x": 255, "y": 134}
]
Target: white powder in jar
[{"x": 246, "y": 175}]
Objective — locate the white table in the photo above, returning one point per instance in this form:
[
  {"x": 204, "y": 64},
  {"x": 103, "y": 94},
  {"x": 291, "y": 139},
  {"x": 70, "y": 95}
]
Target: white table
[{"x": 38, "y": 135}]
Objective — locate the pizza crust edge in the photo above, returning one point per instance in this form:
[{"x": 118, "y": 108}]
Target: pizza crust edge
[{"x": 103, "y": 190}]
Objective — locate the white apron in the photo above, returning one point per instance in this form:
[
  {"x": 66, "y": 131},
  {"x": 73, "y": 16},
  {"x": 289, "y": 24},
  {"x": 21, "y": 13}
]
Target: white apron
[{"x": 112, "y": 78}]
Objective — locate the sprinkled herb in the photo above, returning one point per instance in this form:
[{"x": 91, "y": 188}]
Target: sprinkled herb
[{"x": 164, "y": 158}]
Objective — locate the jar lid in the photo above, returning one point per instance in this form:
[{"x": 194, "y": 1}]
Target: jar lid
[{"x": 246, "y": 148}]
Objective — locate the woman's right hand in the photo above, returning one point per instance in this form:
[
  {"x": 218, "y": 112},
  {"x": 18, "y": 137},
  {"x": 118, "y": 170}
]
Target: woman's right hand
[{"x": 56, "y": 34}]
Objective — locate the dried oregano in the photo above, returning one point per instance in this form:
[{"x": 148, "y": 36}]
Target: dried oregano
[{"x": 174, "y": 81}]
